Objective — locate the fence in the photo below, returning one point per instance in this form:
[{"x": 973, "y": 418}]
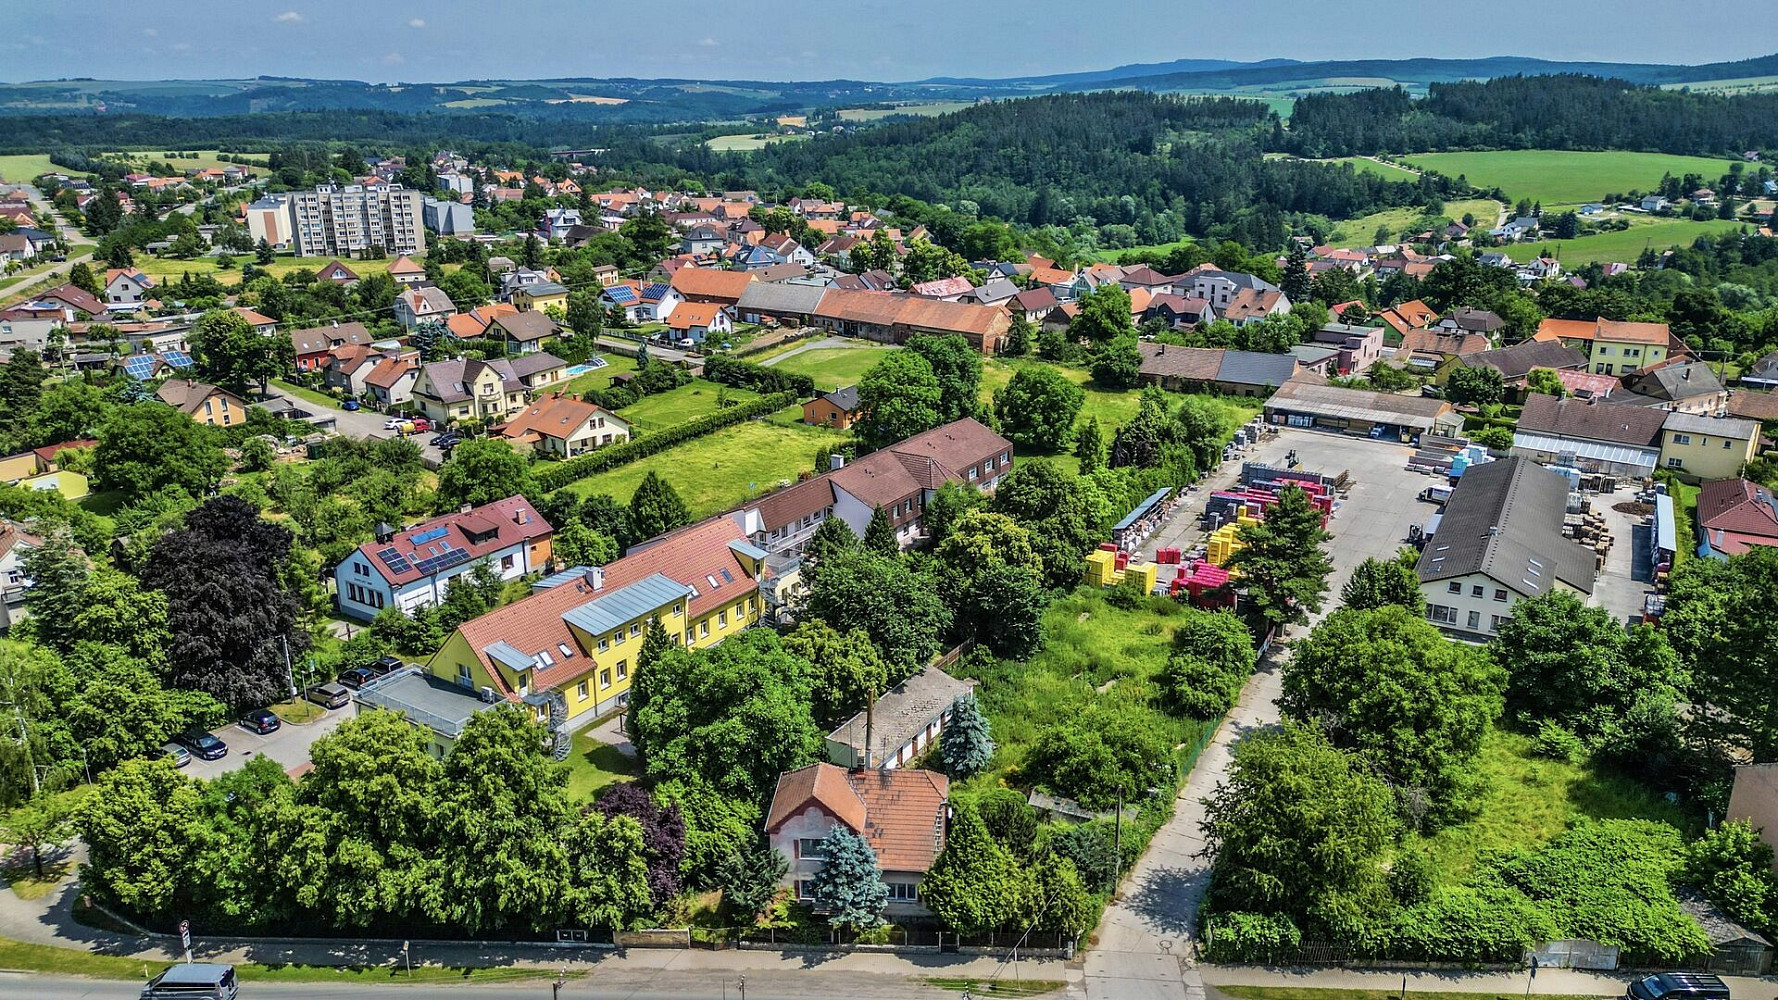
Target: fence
[
  {"x": 653, "y": 937},
  {"x": 892, "y": 937}
]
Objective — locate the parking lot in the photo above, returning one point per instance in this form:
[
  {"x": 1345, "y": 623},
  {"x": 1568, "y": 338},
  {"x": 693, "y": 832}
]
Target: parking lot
[{"x": 289, "y": 745}]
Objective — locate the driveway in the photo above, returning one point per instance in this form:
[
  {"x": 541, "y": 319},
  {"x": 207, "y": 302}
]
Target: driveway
[
  {"x": 1144, "y": 941},
  {"x": 288, "y": 744},
  {"x": 364, "y": 425}
]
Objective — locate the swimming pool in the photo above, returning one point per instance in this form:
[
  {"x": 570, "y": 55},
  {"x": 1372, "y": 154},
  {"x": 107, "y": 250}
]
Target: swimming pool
[{"x": 573, "y": 370}]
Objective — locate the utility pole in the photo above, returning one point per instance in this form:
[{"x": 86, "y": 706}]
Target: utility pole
[
  {"x": 25, "y": 742},
  {"x": 289, "y": 673}
]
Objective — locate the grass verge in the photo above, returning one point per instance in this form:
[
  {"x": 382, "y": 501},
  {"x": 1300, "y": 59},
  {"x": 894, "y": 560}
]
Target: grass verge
[
  {"x": 998, "y": 987},
  {"x": 26, "y": 957},
  {"x": 1307, "y": 993},
  {"x": 28, "y": 885}
]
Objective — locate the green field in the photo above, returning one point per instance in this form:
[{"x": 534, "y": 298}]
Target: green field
[
  {"x": 1558, "y": 177},
  {"x": 833, "y": 367},
  {"x": 1366, "y": 165},
  {"x": 22, "y": 167},
  {"x": 1738, "y": 85},
  {"x": 1360, "y": 231},
  {"x": 592, "y": 765},
  {"x": 1118, "y": 255},
  {"x": 173, "y": 267},
  {"x": 926, "y": 109},
  {"x": 206, "y": 159},
  {"x": 1624, "y": 246},
  {"x": 747, "y": 142},
  {"x": 718, "y": 471},
  {"x": 696, "y": 398}
]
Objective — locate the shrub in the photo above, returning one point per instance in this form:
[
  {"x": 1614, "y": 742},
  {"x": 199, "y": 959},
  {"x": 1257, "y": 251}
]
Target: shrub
[
  {"x": 1250, "y": 937},
  {"x": 733, "y": 371},
  {"x": 1556, "y": 743}
]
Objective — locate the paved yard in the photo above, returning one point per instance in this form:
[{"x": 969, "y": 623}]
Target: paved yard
[
  {"x": 362, "y": 424},
  {"x": 289, "y": 745},
  {"x": 1616, "y": 589}
]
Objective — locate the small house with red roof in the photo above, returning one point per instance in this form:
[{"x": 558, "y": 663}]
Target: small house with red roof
[
  {"x": 1734, "y": 516},
  {"x": 410, "y": 569},
  {"x": 899, "y": 812}
]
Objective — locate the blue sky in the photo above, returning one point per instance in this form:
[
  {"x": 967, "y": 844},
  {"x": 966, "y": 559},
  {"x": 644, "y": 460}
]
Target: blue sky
[{"x": 443, "y": 40}]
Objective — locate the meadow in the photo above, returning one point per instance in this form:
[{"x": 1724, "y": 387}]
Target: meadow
[
  {"x": 1559, "y": 177},
  {"x": 833, "y": 367},
  {"x": 1362, "y": 231},
  {"x": 747, "y": 142},
  {"x": 694, "y": 399},
  {"x": 927, "y": 109},
  {"x": 1623, "y": 246},
  {"x": 21, "y": 167},
  {"x": 173, "y": 267}
]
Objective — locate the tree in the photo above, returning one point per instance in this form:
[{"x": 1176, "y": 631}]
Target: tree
[
  {"x": 481, "y": 472},
  {"x": 1089, "y": 446},
  {"x": 230, "y": 619},
  {"x": 1297, "y": 285},
  {"x": 121, "y": 711},
  {"x": 81, "y": 277},
  {"x": 663, "y": 834},
  {"x": 263, "y": 253},
  {"x": 1478, "y": 386},
  {"x": 949, "y": 503},
  {"x": 976, "y": 885},
  {"x": 1118, "y": 364},
  {"x": 1298, "y": 828},
  {"x": 1379, "y": 583},
  {"x": 58, "y": 573},
  {"x": 879, "y": 535},
  {"x": 586, "y": 317},
  {"x": 1281, "y": 565},
  {"x": 1733, "y": 868},
  {"x": 39, "y": 825},
  {"x": 1546, "y": 381},
  {"x": 1019, "y": 336},
  {"x": 145, "y": 447},
  {"x": 750, "y": 880},
  {"x": 849, "y": 887},
  {"x": 845, "y": 672},
  {"x": 830, "y": 538},
  {"x": 1063, "y": 903},
  {"x": 1411, "y": 705},
  {"x": 966, "y": 745},
  {"x": 993, "y": 581},
  {"x": 1065, "y": 516},
  {"x": 21, "y": 386},
  {"x": 655, "y": 508},
  {"x": 1037, "y": 408},
  {"x": 140, "y": 829},
  {"x": 1104, "y": 316},
  {"x": 1576, "y": 666},
  {"x": 1098, "y": 758},
  {"x": 898, "y": 397},
  {"x": 958, "y": 368},
  {"x": 1011, "y": 821},
  {"x": 899, "y": 608},
  {"x": 1722, "y": 619},
  {"x": 1212, "y": 658},
  {"x": 575, "y": 544},
  {"x": 231, "y": 353}
]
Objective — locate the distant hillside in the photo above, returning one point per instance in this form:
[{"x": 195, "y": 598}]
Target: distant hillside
[{"x": 1317, "y": 75}]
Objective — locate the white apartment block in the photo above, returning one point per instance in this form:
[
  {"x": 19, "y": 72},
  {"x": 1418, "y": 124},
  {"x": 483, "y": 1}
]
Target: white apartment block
[{"x": 346, "y": 221}]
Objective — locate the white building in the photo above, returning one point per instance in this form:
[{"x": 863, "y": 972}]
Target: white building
[
  {"x": 900, "y": 812},
  {"x": 346, "y": 221},
  {"x": 411, "y": 569},
  {"x": 268, "y": 219},
  {"x": 448, "y": 218}
]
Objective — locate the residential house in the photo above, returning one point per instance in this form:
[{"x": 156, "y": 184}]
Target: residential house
[
  {"x": 261, "y": 323},
  {"x": 1179, "y": 311},
  {"x": 312, "y": 346},
  {"x": 1763, "y": 374},
  {"x": 943, "y": 289},
  {"x": 421, "y": 304},
  {"x": 15, "y": 544},
  {"x": 411, "y": 569},
  {"x": 875, "y": 280},
  {"x": 1411, "y": 315},
  {"x": 838, "y": 409},
  {"x": 1684, "y": 386},
  {"x": 1308, "y": 402},
  {"x": 489, "y": 391},
  {"x": 1592, "y": 435},
  {"x": 1516, "y": 363},
  {"x": 1251, "y": 305},
  {"x": 1500, "y": 542},
  {"x": 993, "y": 292},
  {"x": 699, "y": 321},
  {"x": 516, "y": 278},
  {"x": 567, "y": 651},
  {"x": 1221, "y": 287},
  {"x": 1467, "y": 319},
  {"x": 1033, "y": 303},
  {"x": 1149, "y": 280},
  {"x": 1760, "y": 406},
  {"x": 893, "y": 318},
  {"x": 702, "y": 240},
  {"x": 391, "y": 382},
  {"x": 900, "y": 812},
  {"x": 900, "y": 479},
  {"x": 557, "y": 222},
  {"x": 541, "y": 295},
  {"x": 406, "y": 271},
  {"x": 1753, "y": 799},
  {"x": 1359, "y": 347},
  {"x": 1316, "y": 358},
  {"x": 203, "y": 402},
  {"x": 473, "y": 325},
  {"x": 347, "y": 367},
  {"x": 37, "y": 470},
  {"x": 1428, "y": 350},
  {"x": 1196, "y": 369},
  {"x": 563, "y": 426},
  {"x": 522, "y": 332},
  {"x": 1613, "y": 347},
  {"x": 127, "y": 289},
  {"x": 1707, "y": 447},
  {"x": 1734, "y": 516},
  {"x": 336, "y": 273},
  {"x": 702, "y": 284}
]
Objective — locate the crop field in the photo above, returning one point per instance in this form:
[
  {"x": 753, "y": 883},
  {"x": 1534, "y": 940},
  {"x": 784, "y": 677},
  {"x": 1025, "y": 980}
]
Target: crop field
[
  {"x": 1624, "y": 246},
  {"x": 747, "y": 143},
  {"x": 1558, "y": 177},
  {"x": 22, "y": 167},
  {"x": 927, "y": 109}
]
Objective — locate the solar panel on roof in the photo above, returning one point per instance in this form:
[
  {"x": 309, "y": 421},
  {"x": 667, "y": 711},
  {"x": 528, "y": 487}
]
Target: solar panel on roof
[
  {"x": 655, "y": 291},
  {"x": 177, "y": 359},
  {"x": 621, "y": 294},
  {"x": 393, "y": 559},
  {"x": 426, "y": 536},
  {"x": 140, "y": 367}
]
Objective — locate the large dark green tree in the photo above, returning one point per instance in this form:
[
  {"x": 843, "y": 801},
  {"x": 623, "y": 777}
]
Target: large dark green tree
[
  {"x": 958, "y": 368},
  {"x": 147, "y": 446},
  {"x": 977, "y": 885},
  {"x": 481, "y": 472},
  {"x": 898, "y": 397},
  {"x": 1377, "y": 583},
  {"x": 232, "y": 354},
  {"x": 898, "y": 607},
  {"x": 1064, "y": 515},
  {"x": 1722, "y": 618},
  {"x": 1037, "y": 408},
  {"x": 655, "y": 508},
  {"x": 1282, "y": 568}
]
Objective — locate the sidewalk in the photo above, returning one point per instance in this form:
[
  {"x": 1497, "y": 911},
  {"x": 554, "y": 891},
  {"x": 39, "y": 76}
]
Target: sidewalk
[{"x": 1548, "y": 982}]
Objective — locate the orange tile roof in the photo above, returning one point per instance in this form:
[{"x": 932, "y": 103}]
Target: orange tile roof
[
  {"x": 554, "y": 415},
  {"x": 389, "y": 371},
  {"x": 1634, "y": 333},
  {"x": 691, "y": 314},
  {"x": 1565, "y": 329},
  {"x": 474, "y": 323},
  {"x": 708, "y": 283},
  {"x": 900, "y": 811},
  {"x": 405, "y": 265}
]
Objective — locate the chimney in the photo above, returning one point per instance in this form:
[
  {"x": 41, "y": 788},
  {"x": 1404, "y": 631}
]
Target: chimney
[
  {"x": 596, "y": 578},
  {"x": 870, "y": 708},
  {"x": 466, "y": 508},
  {"x": 836, "y": 461}
]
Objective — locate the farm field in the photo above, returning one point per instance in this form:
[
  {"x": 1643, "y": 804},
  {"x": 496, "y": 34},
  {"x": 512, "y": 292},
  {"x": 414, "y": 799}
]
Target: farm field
[
  {"x": 720, "y": 470},
  {"x": 1738, "y": 85},
  {"x": 21, "y": 167},
  {"x": 929, "y": 108},
  {"x": 206, "y": 158},
  {"x": 747, "y": 142},
  {"x": 833, "y": 367},
  {"x": 1366, "y": 165},
  {"x": 694, "y": 399},
  {"x": 1559, "y": 177},
  {"x": 1624, "y": 246},
  {"x": 1360, "y": 231}
]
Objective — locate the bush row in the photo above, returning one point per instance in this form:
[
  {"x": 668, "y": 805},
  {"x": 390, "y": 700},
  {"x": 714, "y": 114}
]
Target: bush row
[
  {"x": 557, "y": 476},
  {"x": 759, "y": 378}
]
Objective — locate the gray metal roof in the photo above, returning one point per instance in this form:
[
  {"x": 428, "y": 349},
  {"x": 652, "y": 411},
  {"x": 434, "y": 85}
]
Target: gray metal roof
[
  {"x": 1504, "y": 520},
  {"x": 1698, "y": 423},
  {"x": 1299, "y": 396},
  {"x": 780, "y": 299},
  {"x": 1596, "y": 451},
  {"x": 508, "y": 656},
  {"x": 1254, "y": 368},
  {"x": 845, "y": 397},
  {"x": 607, "y": 612},
  {"x": 427, "y": 700}
]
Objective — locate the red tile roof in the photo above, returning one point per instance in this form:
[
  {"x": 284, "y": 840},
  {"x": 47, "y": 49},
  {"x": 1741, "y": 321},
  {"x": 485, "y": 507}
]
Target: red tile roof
[
  {"x": 479, "y": 531},
  {"x": 1737, "y": 515},
  {"x": 900, "y": 811},
  {"x": 703, "y": 283}
]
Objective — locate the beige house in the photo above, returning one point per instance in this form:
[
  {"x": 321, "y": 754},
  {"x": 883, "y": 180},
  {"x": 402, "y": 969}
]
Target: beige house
[
  {"x": 1754, "y": 798},
  {"x": 203, "y": 402},
  {"x": 490, "y": 391},
  {"x": 565, "y": 426}
]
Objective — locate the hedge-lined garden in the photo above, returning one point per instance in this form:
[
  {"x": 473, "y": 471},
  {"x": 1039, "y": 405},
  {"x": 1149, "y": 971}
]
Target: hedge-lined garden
[{"x": 554, "y": 477}]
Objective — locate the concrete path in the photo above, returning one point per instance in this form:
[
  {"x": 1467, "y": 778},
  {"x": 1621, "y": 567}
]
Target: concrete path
[
  {"x": 816, "y": 345},
  {"x": 1509, "y": 984}
]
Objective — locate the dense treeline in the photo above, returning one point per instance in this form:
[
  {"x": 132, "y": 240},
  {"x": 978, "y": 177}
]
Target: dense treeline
[{"x": 1539, "y": 112}]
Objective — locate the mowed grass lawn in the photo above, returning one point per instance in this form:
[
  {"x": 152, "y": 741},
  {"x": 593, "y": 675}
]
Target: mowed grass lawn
[
  {"x": 833, "y": 367},
  {"x": 1366, "y": 165},
  {"x": 593, "y": 764},
  {"x": 694, "y": 399},
  {"x": 1562, "y": 177},
  {"x": 21, "y": 167},
  {"x": 1625, "y": 245},
  {"x": 721, "y": 470},
  {"x": 1529, "y": 800},
  {"x": 600, "y": 378},
  {"x": 1362, "y": 230}
]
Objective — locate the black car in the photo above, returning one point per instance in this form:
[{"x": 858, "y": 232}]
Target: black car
[
  {"x": 357, "y": 677},
  {"x": 385, "y": 665},
  {"x": 260, "y": 721},
  {"x": 1678, "y": 986},
  {"x": 204, "y": 745},
  {"x": 447, "y": 441}
]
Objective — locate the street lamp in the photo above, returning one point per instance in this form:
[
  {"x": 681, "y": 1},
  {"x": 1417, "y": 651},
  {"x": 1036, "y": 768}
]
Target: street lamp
[{"x": 561, "y": 981}]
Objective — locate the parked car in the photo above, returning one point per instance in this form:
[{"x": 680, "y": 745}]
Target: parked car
[
  {"x": 1678, "y": 986},
  {"x": 330, "y": 696},
  {"x": 357, "y": 677},
  {"x": 204, "y": 745},
  {"x": 192, "y": 981},
  {"x": 177, "y": 754},
  {"x": 260, "y": 721},
  {"x": 394, "y": 423},
  {"x": 422, "y": 424},
  {"x": 385, "y": 665},
  {"x": 353, "y": 405},
  {"x": 449, "y": 439}
]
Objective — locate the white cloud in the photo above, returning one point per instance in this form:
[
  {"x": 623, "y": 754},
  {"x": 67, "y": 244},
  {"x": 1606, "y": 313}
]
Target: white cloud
[
  {"x": 181, "y": 46},
  {"x": 288, "y": 17},
  {"x": 150, "y": 32},
  {"x": 393, "y": 59},
  {"x": 708, "y": 42},
  {"x": 418, "y": 22}
]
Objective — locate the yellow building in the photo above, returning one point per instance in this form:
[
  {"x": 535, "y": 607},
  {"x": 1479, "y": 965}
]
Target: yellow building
[
  {"x": 539, "y": 297},
  {"x": 203, "y": 402},
  {"x": 1612, "y": 347},
  {"x": 1707, "y": 447},
  {"x": 570, "y": 649}
]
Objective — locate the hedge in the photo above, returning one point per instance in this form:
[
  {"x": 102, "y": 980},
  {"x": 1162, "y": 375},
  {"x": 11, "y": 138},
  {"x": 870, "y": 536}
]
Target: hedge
[
  {"x": 557, "y": 476},
  {"x": 747, "y": 375}
]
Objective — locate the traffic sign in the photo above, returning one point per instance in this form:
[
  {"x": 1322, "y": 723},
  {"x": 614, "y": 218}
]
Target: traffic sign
[{"x": 185, "y": 934}]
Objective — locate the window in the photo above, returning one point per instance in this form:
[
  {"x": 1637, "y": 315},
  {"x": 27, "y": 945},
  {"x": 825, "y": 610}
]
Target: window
[
  {"x": 623, "y": 669},
  {"x": 580, "y": 690},
  {"x": 508, "y": 562},
  {"x": 618, "y": 637},
  {"x": 802, "y": 889},
  {"x": 463, "y": 674},
  {"x": 1674, "y": 463},
  {"x": 1440, "y": 613},
  {"x": 722, "y": 618},
  {"x": 1682, "y": 439},
  {"x": 604, "y": 644},
  {"x": 1495, "y": 621},
  {"x": 1476, "y": 590},
  {"x": 1454, "y": 587},
  {"x": 604, "y": 678},
  {"x": 1725, "y": 444},
  {"x": 1475, "y": 619},
  {"x": 750, "y": 601},
  {"x": 903, "y": 892},
  {"x": 679, "y": 608},
  {"x": 704, "y": 628},
  {"x": 809, "y": 849},
  {"x": 1500, "y": 594},
  {"x": 635, "y": 628}
]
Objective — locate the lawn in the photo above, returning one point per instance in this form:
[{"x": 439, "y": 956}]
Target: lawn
[
  {"x": 1160, "y": 249},
  {"x": 833, "y": 367},
  {"x": 1530, "y": 799},
  {"x": 1362, "y": 230},
  {"x": 1310, "y": 993},
  {"x": 999, "y": 987},
  {"x": 1560, "y": 177},
  {"x": 173, "y": 267},
  {"x": 1625, "y": 245},
  {"x": 592, "y": 765},
  {"x": 305, "y": 394},
  {"x": 747, "y": 143},
  {"x": 21, "y": 167},
  {"x": 694, "y": 399},
  {"x": 720, "y": 470},
  {"x": 600, "y": 378},
  {"x": 1366, "y": 165}
]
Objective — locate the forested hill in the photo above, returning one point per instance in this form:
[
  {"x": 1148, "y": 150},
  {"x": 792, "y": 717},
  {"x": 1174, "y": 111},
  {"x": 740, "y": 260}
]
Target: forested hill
[
  {"x": 1164, "y": 165},
  {"x": 1545, "y": 112}
]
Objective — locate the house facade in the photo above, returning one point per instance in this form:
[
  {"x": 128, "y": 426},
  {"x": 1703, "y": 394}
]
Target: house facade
[
  {"x": 203, "y": 402},
  {"x": 489, "y": 391},
  {"x": 565, "y": 427},
  {"x": 15, "y": 543},
  {"x": 412, "y": 569},
  {"x": 1707, "y": 447},
  {"x": 837, "y": 409},
  {"x": 900, "y": 812},
  {"x": 1612, "y": 347},
  {"x": 420, "y": 303},
  {"x": 127, "y": 290}
]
